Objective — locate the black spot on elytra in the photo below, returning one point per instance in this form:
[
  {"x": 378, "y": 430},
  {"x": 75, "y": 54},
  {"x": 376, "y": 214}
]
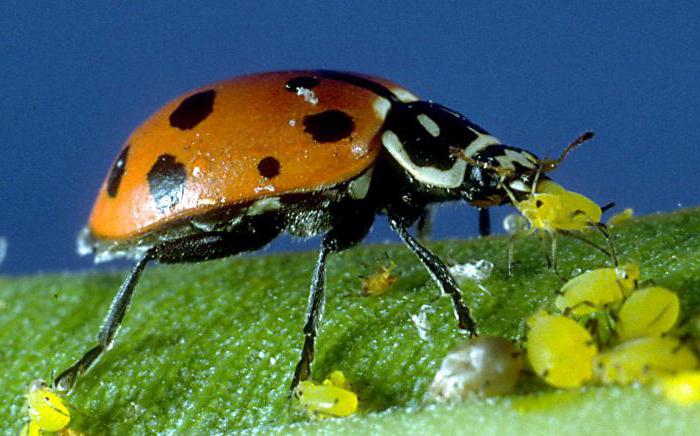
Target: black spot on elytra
[
  {"x": 193, "y": 110},
  {"x": 115, "y": 174},
  {"x": 329, "y": 126},
  {"x": 166, "y": 180},
  {"x": 307, "y": 82},
  {"x": 269, "y": 167}
]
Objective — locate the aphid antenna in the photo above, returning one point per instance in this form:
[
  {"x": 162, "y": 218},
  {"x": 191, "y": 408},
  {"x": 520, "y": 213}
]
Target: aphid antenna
[{"x": 606, "y": 207}]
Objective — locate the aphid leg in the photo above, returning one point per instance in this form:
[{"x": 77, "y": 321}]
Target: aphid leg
[
  {"x": 607, "y": 234},
  {"x": 545, "y": 251},
  {"x": 438, "y": 271},
  {"x": 66, "y": 380},
  {"x": 484, "y": 222},
  {"x": 313, "y": 316},
  {"x": 554, "y": 244},
  {"x": 424, "y": 226},
  {"x": 511, "y": 248}
]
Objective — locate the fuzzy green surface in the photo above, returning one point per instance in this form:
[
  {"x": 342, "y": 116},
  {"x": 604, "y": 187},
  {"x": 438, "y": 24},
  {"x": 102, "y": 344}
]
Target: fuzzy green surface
[{"x": 211, "y": 347}]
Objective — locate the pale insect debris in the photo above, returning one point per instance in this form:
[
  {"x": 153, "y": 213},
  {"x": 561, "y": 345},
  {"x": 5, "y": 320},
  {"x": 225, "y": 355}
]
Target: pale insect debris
[{"x": 421, "y": 322}]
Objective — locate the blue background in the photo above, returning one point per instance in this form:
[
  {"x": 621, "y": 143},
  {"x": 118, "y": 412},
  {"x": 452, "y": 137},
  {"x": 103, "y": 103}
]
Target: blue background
[{"x": 76, "y": 79}]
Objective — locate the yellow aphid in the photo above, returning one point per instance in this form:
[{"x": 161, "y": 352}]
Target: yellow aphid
[
  {"x": 621, "y": 217},
  {"x": 648, "y": 312},
  {"x": 337, "y": 379},
  {"x": 596, "y": 288},
  {"x": 560, "y": 350},
  {"x": 379, "y": 282},
  {"x": 30, "y": 429},
  {"x": 46, "y": 409},
  {"x": 331, "y": 398},
  {"x": 554, "y": 208},
  {"x": 683, "y": 388},
  {"x": 642, "y": 359}
]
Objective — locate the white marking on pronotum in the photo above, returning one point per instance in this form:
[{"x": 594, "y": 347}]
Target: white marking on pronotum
[
  {"x": 404, "y": 95},
  {"x": 381, "y": 107},
  {"x": 511, "y": 156},
  {"x": 481, "y": 142},
  {"x": 450, "y": 178},
  {"x": 359, "y": 187},
  {"x": 264, "y": 205},
  {"x": 429, "y": 125}
]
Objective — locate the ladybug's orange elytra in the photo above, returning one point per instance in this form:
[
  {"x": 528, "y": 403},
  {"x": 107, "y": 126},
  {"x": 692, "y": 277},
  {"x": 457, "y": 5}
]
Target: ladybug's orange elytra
[{"x": 234, "y": 142}]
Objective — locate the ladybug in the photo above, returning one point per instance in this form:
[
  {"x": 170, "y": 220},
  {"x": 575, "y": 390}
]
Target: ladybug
[{"x": 226, "y": 168}]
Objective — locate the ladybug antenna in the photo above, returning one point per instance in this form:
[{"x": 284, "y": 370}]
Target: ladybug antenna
[{"x": 549, "y": 165}]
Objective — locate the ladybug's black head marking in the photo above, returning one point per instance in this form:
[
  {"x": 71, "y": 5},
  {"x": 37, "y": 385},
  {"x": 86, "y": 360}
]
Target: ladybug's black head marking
[
  {"x": 269, "y": 167},
  {"x": 193, "y": 110},
  {"x": 115, "y": 174},
  {"x": 166, "y": 181},
  {"x": 329, "y": 126}
]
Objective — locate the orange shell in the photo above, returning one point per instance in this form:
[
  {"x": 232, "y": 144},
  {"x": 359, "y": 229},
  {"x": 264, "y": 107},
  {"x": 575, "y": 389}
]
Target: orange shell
[{"x": 218, "y": 159}]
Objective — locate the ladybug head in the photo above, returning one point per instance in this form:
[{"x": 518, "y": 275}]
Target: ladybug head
[
  {"x": 442, "y": 150},
  {"x": 497, "y": 174}
]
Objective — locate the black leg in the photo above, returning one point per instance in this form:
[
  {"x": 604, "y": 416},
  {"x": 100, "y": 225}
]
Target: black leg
[
  {"x": 353, "y": 222},
  {"x": 195, "y": 248},
  {"x": 439, "y": 273},
  {"x": 314, "y": 312},
  {"x": 66, "y": 380},
  {"x": 484, "y": 222}
]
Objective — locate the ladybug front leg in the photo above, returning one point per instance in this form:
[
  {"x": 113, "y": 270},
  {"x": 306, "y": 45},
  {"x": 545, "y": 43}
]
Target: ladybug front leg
[
  {"x": 66, "y": 380},
  {"x": 484, "y": 222},
  {"x": 437, "y": 270}
]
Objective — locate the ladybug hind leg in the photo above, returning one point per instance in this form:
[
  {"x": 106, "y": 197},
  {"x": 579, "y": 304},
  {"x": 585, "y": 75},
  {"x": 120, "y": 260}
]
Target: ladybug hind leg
[
  {"x": 66, "y": 379},
  {"x": 195, "y": 248}
]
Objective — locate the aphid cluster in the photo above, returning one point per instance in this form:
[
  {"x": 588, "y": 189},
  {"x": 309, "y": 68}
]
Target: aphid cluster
[{"x": 612, "y": 330}]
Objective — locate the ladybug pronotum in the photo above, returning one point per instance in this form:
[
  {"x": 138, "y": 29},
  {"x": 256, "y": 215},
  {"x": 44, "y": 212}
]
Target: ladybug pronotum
[{"x": 226, "y": 168}]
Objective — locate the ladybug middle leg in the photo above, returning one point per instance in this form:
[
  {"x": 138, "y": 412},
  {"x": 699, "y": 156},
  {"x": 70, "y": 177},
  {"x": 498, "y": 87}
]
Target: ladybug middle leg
[{"x": 353, "y": 221}]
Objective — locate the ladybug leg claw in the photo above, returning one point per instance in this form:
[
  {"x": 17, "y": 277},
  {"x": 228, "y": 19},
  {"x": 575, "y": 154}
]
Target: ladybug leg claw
[
  {"x": 67, "y": 379},
  {"x": 438, "y": 272}
]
